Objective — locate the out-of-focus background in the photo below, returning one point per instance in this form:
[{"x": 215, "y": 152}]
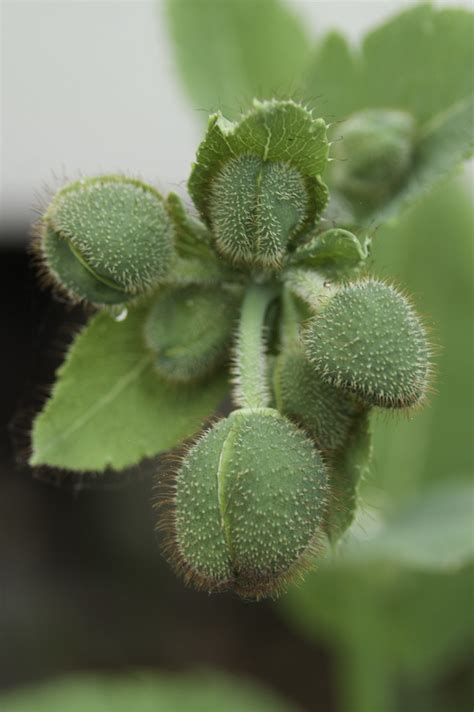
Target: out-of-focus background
[{"x": 89, "y": 87}]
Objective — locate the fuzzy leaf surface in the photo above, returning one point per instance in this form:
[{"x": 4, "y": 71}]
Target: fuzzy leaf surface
[{"x": 109, "y": 408}]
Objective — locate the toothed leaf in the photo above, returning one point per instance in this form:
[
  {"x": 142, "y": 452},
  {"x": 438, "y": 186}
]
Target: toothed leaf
[{"x": 109, "y": 408}]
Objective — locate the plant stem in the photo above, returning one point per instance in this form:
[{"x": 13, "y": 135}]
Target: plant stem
[{"x": 250, "y": 368}]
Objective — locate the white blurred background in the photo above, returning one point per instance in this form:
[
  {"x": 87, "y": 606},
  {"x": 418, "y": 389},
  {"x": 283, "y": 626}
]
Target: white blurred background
[{"x": 90, "y": 86}]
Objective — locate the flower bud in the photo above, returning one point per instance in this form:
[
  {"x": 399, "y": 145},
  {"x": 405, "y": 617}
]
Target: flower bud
[
  {"x": 189, "y": 330},
  {"x": 249, "y": 503},
  {"x": 106, "y": 240},
  {"x": 368, "y": 340},
  {"x": 373, "y": 157},
  {"x": 325, "y": 412},
  {"x": 255, "y": 210}
]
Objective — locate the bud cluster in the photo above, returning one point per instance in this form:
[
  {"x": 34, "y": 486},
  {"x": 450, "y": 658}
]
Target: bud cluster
[{"x": 261, "y": 283}]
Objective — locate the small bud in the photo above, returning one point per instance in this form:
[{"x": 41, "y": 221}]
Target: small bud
[
  {"x": 249, "y": 503},
  {"x": 369, "y": 341},
  {"x": 373, "y": 157},
  {"x": 189, "y": 330},
  {"x": 325, "y": 412},
  {"x": 106, "y": 240}
]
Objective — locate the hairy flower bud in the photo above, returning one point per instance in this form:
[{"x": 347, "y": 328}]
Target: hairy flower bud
[
  {"x": 373, "y": 157},
  {"x": 369, "y": 341},
  {"x": 249, "y": 503},
  {"x": 189, "y": 330},
  {"x": 256, "y": 208},
  {"x": 319, "y": 407},
  {"x": 257, "y": 181},
  {"x": 106, "y": 240}
]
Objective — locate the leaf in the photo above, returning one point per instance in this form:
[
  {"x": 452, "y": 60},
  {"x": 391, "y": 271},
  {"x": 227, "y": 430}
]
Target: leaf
[
  {"x": 419, "y": 61},
  {"x": 428, "y": 54},
  {"x": 274, "y": 131},
  {"x": 335, "y": 252},
  {"x": 433, "y": 531},
  {"x": 443, "y": 143},
  {"x": 108, "y": 407},
  {"x": 231, "y": 52},
  {"x": 143, "y": 692}
]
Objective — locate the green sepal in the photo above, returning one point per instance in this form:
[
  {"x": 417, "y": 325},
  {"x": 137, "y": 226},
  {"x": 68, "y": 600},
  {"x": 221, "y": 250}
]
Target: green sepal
[
  {"x": 71, "y": 276},
  {"x": 108, "y": 407},
  {"x": 336, "y": 253},
  {"x": 118, "y": 230},
  {"x": 368, "y": 340},
  {"x": 249, "y": 505},
  {"x": 189, "y": 331}
]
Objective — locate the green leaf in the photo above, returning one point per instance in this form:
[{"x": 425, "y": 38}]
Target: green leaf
[
  {"x": 230, "y": 52},
  {"x": 142, "y": 692},
  {"x": 335, "y": 252},
  {"x": 109, "y": 408},
  {"x": 432, "y": 531},
  {"x": 192, "y": 238},
  {"x": 419, "y": 61}
]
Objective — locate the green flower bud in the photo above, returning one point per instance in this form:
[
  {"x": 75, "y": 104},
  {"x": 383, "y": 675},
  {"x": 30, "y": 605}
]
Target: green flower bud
[
  {"x": 257, "y": 181},
  {"x": 368, "y": 340},
  {"x": 373, "y": 157},
  {"x": 255, "y": 210},
  {"x": 249, "y": 503},
  {"x": 320, "y": 408},
  {"x": 106, "y": 240},
  {"x": 189, "y": 330}
]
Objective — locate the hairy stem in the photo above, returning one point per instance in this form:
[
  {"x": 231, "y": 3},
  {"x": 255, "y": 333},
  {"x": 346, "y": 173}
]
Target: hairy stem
[{"x": 250, "y": 367}]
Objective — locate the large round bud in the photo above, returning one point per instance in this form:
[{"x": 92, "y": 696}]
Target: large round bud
[
  {"x": 255, "y": 209},
  {"x": 373, "y": 157},
  {"x": 106, "y": 240},
  {"x": 249, "y": 504},
  {"x": 189, "y": 330},
  {"x": 368, "y": 340}
]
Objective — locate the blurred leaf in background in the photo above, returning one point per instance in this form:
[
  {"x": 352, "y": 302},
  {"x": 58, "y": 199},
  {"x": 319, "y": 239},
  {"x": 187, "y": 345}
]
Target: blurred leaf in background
[
  {"x": 395, "y": 604},
  {"x": 144, "y": 692},
  {"x": 231, "y": 52}
]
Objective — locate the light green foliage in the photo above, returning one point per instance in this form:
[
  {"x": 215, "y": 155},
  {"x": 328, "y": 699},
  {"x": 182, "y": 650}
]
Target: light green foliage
[
  {"x": 230, "y": 51},
  {"x": 374, "y": 156},
  {"x": 336, "y": 253},
  {"x": 432, "y": 532},
  {"x": 256, "y": 182},
  {"x": 203, "y": 691},
  {"x": 368, "y": 340},
  {"x": 417, "y": 62},
  {"x": 268, "y": 206},
  {"x": 324, "y": 411},
  {"x": 108, "y": 407},
  {"x": 189, "y": 331},
  {"x": 249, "y": 504},
  {"x": 118, "y": 231}
]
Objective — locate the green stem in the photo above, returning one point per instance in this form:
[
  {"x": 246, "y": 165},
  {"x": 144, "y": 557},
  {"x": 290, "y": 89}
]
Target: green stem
[
  {"x": 251, "y": 386},
  {"x": 289, "y": 323}
]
